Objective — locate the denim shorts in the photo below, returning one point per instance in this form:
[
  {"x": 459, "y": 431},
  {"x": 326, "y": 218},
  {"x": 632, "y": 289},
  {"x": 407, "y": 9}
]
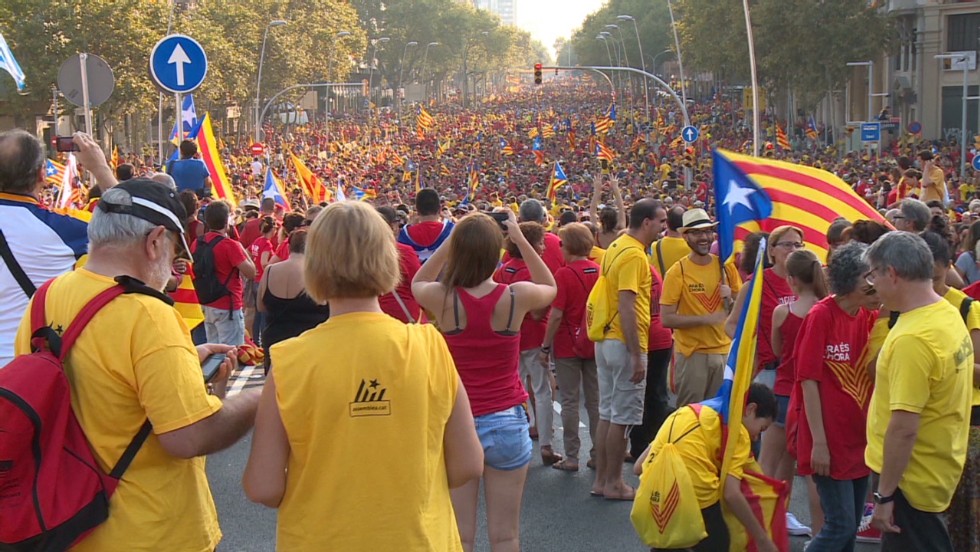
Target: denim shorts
[
  {"x": 505, "y": 438},
  {"x": 782, "y": 409}
]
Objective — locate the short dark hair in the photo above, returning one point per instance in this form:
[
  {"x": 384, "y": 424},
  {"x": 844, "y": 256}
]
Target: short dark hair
[
  {"x": 21, "y": 157},
  {"x": 188, "y": 149},
  {"x": 125, "y": 171},
  {"x": 941, "y": 252},
  {"x": 764, "y": 400},
  {"x": 427, "y": 202},
  {"x": 925, "y": 155},
  {"x": 567, "y": 217},
  {"x": 216, "y": 214},
  {"x": 387, "y": 213},
  {"x": 642, "y": 210},
  {"x": 675, "y": 218}
]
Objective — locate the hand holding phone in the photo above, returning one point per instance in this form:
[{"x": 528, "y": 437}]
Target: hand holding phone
[
  {"x": 501, "y": 218},
  {"x": 212, "y": 365},
  {"x": 65, "y": 144}
]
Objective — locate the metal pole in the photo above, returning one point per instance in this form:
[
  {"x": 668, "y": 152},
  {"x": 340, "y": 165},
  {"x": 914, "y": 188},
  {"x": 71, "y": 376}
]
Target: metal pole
[
  {"x": 643, "y": 65},
  {"x": 54, "y": 107},
  {"x": 680, "y": 64},
  {"x": 755, "y": 79},
  {"x": 83, "y": 57},
  {"x": 963, "y": 124},
  {"x": 258, "y": 86},
  {"x": 179, "y": 123}
]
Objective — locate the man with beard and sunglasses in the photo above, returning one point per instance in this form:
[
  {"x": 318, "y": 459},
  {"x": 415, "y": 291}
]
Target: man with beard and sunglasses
[{"x": 695, "y": 296}]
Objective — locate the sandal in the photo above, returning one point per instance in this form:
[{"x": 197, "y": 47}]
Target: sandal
[
  {"x": 566, "y": 465},
  {"x": 590, "y": 464}
]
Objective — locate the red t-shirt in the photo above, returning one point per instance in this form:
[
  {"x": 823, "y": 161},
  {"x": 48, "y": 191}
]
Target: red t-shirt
[
  {"x": 574, "y": 281},
  {"x": 552, "y": 256},
  {"x": 251, "y": 231},
  {"x": 532, "y": 331},
  {"x": 775, "y": 292},
  {"x": 973, "y": 291},
  {"x": 831, "y": 350},
  {"x": 282, "y": 250},
  {"x": 425, "y": 233},
  {"x": 259, "y": 246},
  {"x": 786, "y": 372},
  {"x": 660, "y": 337},
  {"x": 409, "y": 264},
  {"x": 228, "y": 254}
]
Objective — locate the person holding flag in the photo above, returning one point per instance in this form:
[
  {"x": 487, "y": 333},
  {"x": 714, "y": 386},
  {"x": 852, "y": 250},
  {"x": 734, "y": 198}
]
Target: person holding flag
[{"x": 189, "y": 172}]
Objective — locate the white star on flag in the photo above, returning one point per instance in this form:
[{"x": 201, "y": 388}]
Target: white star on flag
[{"x": 737, "y": 195}]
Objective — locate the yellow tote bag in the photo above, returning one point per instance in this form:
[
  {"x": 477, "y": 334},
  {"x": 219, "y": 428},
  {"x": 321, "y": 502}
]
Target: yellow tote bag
[
  {"x": 599, "y": 314},
  {"x": 666, "y": 513}
]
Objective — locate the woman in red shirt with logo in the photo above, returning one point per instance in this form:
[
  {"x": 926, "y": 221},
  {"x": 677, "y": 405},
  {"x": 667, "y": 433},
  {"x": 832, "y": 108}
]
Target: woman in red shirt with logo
[{"x": 832, "y": 373}]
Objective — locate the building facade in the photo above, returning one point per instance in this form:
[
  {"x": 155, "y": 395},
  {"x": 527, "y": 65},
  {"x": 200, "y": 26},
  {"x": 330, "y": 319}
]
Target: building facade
[{"x": 505, "y": 9}]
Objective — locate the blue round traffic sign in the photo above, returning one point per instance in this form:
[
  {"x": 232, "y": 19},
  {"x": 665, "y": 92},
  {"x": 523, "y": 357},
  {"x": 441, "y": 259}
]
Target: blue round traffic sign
[
  {"x": 976, "y": 162},
  {"x": 178, "y": 64},
  {"x": 915, "y": 127},
  {"x": 690, "y": 134}
]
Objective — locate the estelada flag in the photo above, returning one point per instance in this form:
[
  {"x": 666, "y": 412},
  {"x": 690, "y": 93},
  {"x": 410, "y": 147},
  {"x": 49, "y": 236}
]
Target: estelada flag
[{"x": 805, "y": 197}]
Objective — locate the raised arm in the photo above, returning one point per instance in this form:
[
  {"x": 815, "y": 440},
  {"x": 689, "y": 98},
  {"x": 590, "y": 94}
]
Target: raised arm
[
  {"x": 618, "y": 199},
  {"x": 596, "y": 198},
  {"x": 541, "y": 290}
]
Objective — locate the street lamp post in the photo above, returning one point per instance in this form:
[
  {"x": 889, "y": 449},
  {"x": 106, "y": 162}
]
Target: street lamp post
[
  {"x": 643, "y": 63},
  {"x": 258, "y": 83},
  {"x": 626, "y": 58},
  {"x": 326, "y": 118},
  {"x": 677, "y": 44},
  {"x": 619, "y": 61},
  {"x": 425, "y": 58},
  {"x": 963, "y": 60},
  {"x": 401, "y": 71},
  {"x": 374, "y": 53}
]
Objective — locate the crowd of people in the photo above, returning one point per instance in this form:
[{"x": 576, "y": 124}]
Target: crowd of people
[{"x": 506, "y": 291}]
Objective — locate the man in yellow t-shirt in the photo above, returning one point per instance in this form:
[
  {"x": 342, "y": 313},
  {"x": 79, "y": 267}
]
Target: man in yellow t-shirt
[
  {"x": 918, "y": 420},
  {"x": 672, "y": 247},
  {"x": 622, "y": 353},
  {"x": 134, "y": 362},
  {"x": 933, "y": 182},
  {"x": 696, "y": 431},
  {"x": 693, "y": 303}
]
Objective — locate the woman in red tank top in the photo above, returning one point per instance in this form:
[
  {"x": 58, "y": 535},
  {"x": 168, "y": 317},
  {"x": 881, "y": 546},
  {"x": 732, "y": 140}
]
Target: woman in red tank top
[
  {"x": 805, "y": 276},
  {"x": 480, "y": 320}
]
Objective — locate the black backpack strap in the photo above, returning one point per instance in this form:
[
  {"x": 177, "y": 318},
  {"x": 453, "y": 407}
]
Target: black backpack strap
[
  {"x": 660, "y": 257},
  {"x": 130, "y": 453},
  {"x": 892, "y": 319},
  {"x": 16, "y": 270},
  {"x": 965, "y": 307}
]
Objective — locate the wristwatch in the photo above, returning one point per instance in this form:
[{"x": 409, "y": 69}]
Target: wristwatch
[{"x": 879, "y": 499}]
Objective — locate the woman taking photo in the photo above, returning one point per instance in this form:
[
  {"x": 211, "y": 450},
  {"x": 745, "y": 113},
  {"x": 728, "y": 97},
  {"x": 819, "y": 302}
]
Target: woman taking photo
[
  {"x": 481, "y": 321},
  {"x": 315, "y": 452}
]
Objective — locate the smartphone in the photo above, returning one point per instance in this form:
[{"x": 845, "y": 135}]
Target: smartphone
[
  {"x": 65, "y": 143},
  {"x": 501, "y": 218},
  {"x": 211, "y": 365}
]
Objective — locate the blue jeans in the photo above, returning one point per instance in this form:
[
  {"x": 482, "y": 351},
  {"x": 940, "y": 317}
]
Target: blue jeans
[
  {"x": 505, "y": 438},
  {"x": 843, "y": 506}
]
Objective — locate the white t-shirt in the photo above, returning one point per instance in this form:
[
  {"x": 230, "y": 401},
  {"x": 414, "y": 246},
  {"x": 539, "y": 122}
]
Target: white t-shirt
[{"x": 256, "y": 168}]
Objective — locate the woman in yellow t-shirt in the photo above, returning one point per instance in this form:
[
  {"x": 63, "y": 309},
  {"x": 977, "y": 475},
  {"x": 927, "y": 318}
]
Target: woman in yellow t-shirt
[{"x": 374, "y": 433}]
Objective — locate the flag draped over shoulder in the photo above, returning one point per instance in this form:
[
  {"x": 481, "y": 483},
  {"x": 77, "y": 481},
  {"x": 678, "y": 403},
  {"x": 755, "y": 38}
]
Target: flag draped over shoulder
[
  {"x": 558, "y": 179},
  {"x": 208, "y": 146},
  {"x": 802, "y": 196}
]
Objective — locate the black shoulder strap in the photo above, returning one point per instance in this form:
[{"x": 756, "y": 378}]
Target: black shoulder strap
[
  {"x": 16, "y": 270},
  {"x": 965, "y": 307},
  {"x": 660, "y": 257},
  {"x": 130, "y": 453},
  {"x": 893, "y": 319}
]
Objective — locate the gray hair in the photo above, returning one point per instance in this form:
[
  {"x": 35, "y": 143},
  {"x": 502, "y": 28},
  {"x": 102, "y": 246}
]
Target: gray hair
[
  {"x": 904, "y": 252},
  {"x": 21, "y": 157},
  {"x": 916, "y": 213},
  {"x": 847, "y": 267},
  {"x": 165, "y": 179},
  {"x": 116, "y": 229},
  {"x": 532, "y": 211}
]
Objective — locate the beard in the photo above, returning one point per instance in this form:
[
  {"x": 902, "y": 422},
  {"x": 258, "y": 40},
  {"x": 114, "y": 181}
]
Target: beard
[{"x": 159, "y": 274}]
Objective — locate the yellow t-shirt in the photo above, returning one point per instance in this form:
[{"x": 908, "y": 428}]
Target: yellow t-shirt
[
  {"x": 135, "y": 360},
  {"x": 925, "y": 367},
  {"x": 367, "y": 465},
  {"x": 701, "y": 449},
  {"x": 597, "y": 254},
  {"x": 696, "y": 290},
  {"x": 955, "y": 298},
  {"x": 938, "y": 190},
  {"x": 673, "y": 249},
  {"x": 625, "y": 268}
]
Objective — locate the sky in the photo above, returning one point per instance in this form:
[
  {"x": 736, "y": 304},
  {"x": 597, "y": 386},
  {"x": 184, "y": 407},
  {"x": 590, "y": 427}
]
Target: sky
[{"x": 547, "y": 20}]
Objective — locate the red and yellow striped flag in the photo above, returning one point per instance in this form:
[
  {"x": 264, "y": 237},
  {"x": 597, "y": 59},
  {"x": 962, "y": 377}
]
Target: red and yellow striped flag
[
  {"x": 802, "y": 196},
  {"x": 185, "y": 302},
  {"x": 781, "y": 139},
  {"x": 220, "y": 184},
  {"x": 308, "y": 182}
]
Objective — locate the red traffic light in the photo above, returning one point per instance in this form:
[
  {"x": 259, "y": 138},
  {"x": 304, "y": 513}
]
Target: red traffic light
[
  {"x": 537, "y": 73},
  {"x": 537, "y": 66}
]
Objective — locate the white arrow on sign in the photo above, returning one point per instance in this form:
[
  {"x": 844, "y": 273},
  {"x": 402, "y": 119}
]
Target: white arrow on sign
[
  {"x": 179, "y": 58},
  {"x": 690, "y": 135}
]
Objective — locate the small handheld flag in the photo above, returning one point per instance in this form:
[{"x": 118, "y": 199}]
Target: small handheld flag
[
  {"x": 9, "y": 64},
  {"x": 558, "y": 179},
  {"x": 274, "y": 190},
  {"x": 738, "y": 199},
  {"x": 811, "y": 129}
]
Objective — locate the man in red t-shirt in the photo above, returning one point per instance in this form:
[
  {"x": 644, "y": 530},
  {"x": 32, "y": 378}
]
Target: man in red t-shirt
[
  {"x": 533, "y": 211},
  {"x": 425, "y": 236},
  {"x": 224, "y": 318},
  {"x": 252, "y": 229},
  {"x": 402, "y": 306}
]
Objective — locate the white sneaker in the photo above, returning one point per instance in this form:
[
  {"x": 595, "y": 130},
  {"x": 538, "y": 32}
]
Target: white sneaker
[{"x": 795, "y": 528}]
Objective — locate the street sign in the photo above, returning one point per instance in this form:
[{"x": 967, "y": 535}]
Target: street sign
[
  {"x": 258, "y": 149},
  {"x": 100, "y": 80},
  {"x": 976, "y": 162},
  {"x": 690, "y": 134},
  {"x": 178, "y": 64},
  {"x": 915, "y": 127},
  {"x": 870, "y": 132}
]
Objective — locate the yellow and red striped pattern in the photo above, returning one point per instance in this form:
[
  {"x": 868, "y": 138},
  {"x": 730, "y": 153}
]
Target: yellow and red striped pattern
[
  {"x": 185, "y": 301},
  {"x": 781, "y": 139},
  {"x": 208, "y": 146},
  {"x": 767, "y": 501},
  {"x": 802, "y": 196}
]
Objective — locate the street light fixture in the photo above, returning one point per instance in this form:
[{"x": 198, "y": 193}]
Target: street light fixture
[
  {"x": 258, "y": 83},
  {"x": 401, "y": 69},
  {"x": 643, "y": 63},
  {"x": 425, "y": 57}
]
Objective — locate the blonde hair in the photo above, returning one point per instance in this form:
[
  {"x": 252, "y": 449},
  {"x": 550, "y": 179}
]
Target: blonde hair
[
  {"x": 777, "y": 234},
  {"x": 350, "y": 253}
]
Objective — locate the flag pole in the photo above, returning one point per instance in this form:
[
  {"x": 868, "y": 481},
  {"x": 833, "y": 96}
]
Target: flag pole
[{"x": 755, "y": 80}]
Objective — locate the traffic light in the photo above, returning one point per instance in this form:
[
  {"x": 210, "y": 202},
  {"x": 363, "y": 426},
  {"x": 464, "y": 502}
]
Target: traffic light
[{"x": 537, "y": 73}]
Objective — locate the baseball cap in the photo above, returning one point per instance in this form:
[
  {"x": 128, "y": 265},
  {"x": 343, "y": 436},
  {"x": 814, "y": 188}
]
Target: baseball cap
[{"x": 152, "y": 202}]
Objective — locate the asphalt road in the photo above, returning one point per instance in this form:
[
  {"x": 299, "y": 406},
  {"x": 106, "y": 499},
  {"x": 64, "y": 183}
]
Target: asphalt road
[{"x": 558, "y": 513}]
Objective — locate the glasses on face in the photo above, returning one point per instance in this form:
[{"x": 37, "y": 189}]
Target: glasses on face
[
  {"x": 790, "y": 245},
  {"x": 869, "y": 291},
  {"x": 870, "y": 278}
]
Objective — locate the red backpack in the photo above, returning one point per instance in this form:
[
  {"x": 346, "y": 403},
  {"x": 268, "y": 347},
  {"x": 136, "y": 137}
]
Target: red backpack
[{"x": 52, "y": 491}]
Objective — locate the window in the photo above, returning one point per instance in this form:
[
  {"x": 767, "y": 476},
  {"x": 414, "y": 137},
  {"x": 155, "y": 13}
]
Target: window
[{"x": 962, "y": 32}]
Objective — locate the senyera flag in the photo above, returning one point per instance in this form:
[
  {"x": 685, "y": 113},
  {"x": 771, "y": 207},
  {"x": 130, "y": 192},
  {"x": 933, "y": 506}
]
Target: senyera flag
[
  {"x": 766, "y": 496},
  {"x": 208, "y": 146},
  {"x": 805, "y": 197}
]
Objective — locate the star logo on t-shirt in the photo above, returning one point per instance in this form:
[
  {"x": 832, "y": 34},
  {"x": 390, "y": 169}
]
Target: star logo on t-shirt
[{"x": 374, "y": 384}]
